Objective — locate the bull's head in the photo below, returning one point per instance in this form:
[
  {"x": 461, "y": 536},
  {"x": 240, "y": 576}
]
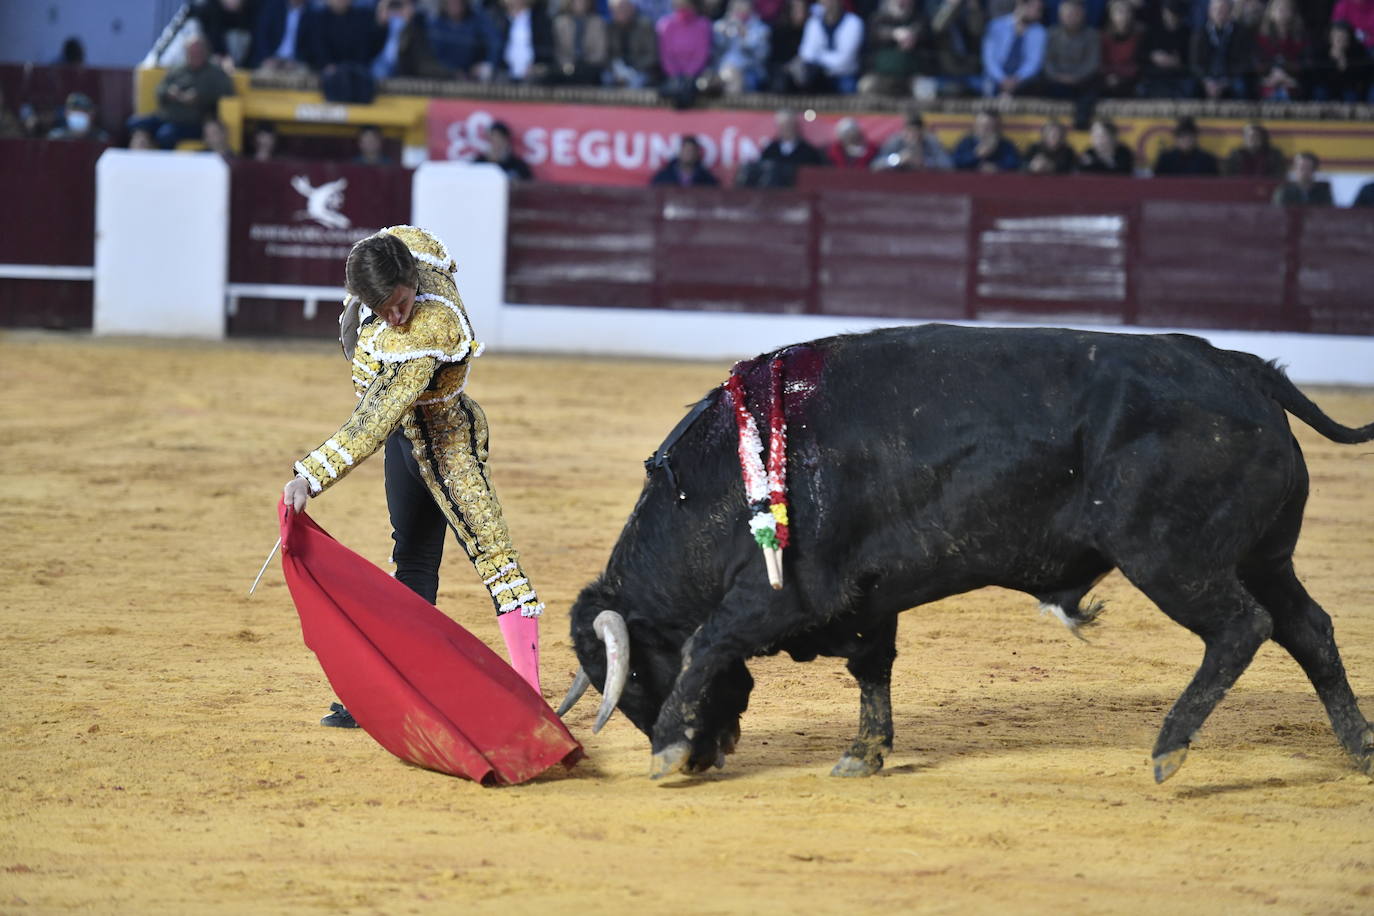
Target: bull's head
[{"x": 634, "y": 661}]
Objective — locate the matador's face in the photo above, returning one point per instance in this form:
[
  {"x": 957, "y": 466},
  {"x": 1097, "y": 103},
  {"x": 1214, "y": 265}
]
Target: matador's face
[{"x": 397, "y": 309}]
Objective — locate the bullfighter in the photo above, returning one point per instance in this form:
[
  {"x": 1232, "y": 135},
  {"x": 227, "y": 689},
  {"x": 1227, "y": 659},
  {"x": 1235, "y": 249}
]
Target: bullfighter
[{"x": 410, "y": 343}]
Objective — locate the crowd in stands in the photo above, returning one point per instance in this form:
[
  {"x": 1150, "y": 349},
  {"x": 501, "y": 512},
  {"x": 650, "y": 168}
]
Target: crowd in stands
[
  {"x": 1080, "y": 50},
  {"x": 986, "y": 149},
  {"x": 1257, "y": 49}
]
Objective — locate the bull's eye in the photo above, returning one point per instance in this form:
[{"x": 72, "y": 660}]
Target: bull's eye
[{"x": 634, "y": 675}]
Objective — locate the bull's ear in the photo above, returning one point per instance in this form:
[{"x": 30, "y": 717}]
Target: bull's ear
[
  {"x": 579, "y": 687},
  {"x": 610, "y": 628}
]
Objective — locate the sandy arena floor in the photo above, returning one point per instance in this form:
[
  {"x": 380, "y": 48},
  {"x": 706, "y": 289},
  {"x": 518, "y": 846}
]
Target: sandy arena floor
[{"x": 159, "y": 752}]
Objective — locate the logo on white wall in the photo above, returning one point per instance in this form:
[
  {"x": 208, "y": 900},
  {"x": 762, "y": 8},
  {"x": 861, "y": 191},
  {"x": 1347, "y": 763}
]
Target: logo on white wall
[{"x": 322, "y": 204}]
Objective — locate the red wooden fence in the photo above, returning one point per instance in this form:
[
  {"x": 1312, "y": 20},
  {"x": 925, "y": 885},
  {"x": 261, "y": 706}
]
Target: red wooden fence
[
  {"x": 1157, "y": 252},
  {"x": 1112, "y": 251}
]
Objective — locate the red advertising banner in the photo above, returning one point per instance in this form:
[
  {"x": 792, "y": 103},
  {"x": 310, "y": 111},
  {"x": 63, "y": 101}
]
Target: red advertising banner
[
  {"x": 294, "y": 222},
  {"x": 606, "y": 144}
]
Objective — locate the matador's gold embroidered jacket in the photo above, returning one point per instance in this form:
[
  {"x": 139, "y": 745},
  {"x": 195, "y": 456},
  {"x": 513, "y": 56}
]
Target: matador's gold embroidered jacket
[{"x": 413, "y": 377}]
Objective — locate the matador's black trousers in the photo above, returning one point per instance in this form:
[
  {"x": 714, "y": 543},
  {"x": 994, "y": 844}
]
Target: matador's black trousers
[{"x": 418, "y": 527}]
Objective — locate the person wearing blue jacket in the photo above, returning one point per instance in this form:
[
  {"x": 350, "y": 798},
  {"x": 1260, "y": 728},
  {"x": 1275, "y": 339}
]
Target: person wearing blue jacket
[{"x": 1014, "y": 50}]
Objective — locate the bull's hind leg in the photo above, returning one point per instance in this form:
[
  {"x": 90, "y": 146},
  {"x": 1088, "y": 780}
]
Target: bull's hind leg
[
  {"x": 871, "y": 665},
  {"x": 1304, "y": 629},
  {"x": 1232, "y": 626}
]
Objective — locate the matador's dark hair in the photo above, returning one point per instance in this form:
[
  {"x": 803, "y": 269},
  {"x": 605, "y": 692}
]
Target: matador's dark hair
[{"x": 376, "y": 266}]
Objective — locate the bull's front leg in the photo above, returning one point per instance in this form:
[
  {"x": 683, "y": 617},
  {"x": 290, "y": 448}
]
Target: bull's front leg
[
  {"x": 698, "y": 723},
  {"x": 871, "y": 665}
]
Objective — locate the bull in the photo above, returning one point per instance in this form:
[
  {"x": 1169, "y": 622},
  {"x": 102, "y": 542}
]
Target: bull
[{"x": 929, "y": 461}]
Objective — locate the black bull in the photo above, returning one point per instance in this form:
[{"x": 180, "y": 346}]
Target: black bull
[{"x": 935, "y": 460}]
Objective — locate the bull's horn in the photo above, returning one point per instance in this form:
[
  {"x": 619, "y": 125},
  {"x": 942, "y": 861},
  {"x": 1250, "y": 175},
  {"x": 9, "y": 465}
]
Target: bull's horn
[
  {"x": 610, "y": 628},
  {"x": 579, "y": 687}
]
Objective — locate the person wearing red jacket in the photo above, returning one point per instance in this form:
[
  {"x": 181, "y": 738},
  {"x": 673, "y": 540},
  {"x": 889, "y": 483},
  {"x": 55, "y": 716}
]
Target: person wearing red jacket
[{"x": 851, "y": 149}]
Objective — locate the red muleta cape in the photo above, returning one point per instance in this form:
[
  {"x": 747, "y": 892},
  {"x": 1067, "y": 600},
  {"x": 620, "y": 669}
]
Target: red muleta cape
[{"x": 425, "y": 688}]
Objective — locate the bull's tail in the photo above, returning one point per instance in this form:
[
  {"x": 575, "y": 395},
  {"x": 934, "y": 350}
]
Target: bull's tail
[{"x": 1277, "y": 384}]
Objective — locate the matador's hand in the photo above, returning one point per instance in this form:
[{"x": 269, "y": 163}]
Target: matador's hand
[{"x": 295, "y": 493}]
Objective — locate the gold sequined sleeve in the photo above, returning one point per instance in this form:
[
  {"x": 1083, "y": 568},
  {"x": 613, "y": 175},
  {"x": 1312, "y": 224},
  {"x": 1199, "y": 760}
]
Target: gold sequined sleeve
[{"x": 383, "y": 405}]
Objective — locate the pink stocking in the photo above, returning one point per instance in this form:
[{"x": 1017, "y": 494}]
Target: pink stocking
[{"x": 522, "y": 645}]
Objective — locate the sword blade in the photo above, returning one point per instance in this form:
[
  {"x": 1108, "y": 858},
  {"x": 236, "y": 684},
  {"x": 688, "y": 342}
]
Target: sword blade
[{"x": 265, "y": 564}]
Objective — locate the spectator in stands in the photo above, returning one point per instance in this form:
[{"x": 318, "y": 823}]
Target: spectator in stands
[
  {"x": 186, "y": 96},
  {"x": 953, "y": 38},
  {"x": 686, "y": 169},
  {"x": 1051, "y": 154},
  {"x": 828, "y": 59},
  {"x": 784, "y": 42},
  {"x": 1073, "y": 60},
  {"x": 228, "y": 26},
  {"x": 1222, "y": 53},
  {"x": 264, "y": 142},
  {"x": 684, "y": 50},
  {"x": 912, "y": 149},
  {"x": 1360, "y": 15},
  {"x": 1105, "y": 153},
  {"x": 371, "y": 147},
  {"x": 985, "y": 149},
  {"x": 73, "y": 53},
  {"x": 1365, "y": 196},
  {"x": 216, "y": 139},
  {"x": 1303, "y": 189},
  {"x": 1123, "y": 41},
  {"x": 459, "y": 42},
  {"x": 283, "y": 38},
  {"x": 79, "y": 121},
  {"x": 1185, "y": 157},
  {"x": 777, "y": 165},
  {"x": 1255, "y": 158},
  {"x": 851, "y": 148},
  {"x": 894, "y": 54},
  {"x": 633, "y": 47},
  {"x": 401, "y": 28},
  {"x": 739, "y": 50},
  {"x": 581, "y": 44},
  {"x": 10, "y": 125},
  {"x": 790, "y": 145},
  {"x": 140, "y": 138},
  {"x": 526, "y": 42},
  {"x": 1165, "y": 71},
  {"x": 346, "y": 42},
  {"x": 1342, "y": 71},
  {"x": 345, "y": 35},
  {"x": 1014, "y": 51},
  {"x": 501, "y": 152},
  {"x": 1281, "y": 51}
]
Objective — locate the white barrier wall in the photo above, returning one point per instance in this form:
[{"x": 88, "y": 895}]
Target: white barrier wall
[
  {"x": 1323, "y": 359},
  {"x": 161, "y": 243},
  {"x": 466, "y": 205}
]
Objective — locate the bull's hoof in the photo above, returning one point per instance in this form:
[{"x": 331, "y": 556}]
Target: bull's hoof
[
  {"x": 1365, "y": 759},
  {"x": 1167, "y": 764},
  {"x": 672, "y": 759},
  {"x": 850, "y": 766}
]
